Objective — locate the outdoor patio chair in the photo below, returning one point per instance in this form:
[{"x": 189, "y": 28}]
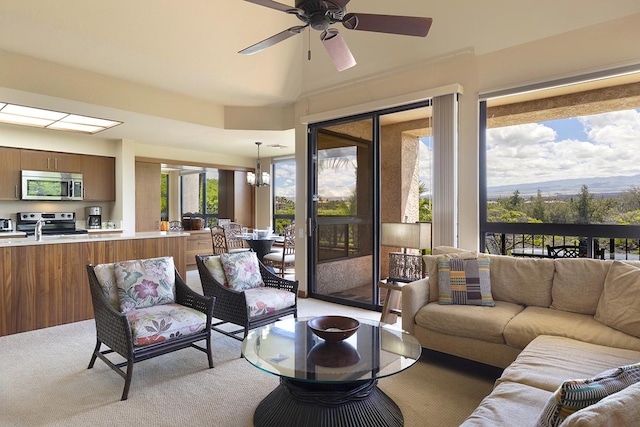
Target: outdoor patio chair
[
  {"x": 143, "y": 309},
  {"x": 564, "y": 251},
  {"x": 247, "y": 294}
]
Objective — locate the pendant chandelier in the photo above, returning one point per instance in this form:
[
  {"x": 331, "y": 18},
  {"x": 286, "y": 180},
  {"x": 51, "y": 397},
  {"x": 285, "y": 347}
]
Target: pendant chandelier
[{"x": 259, "y": 178}]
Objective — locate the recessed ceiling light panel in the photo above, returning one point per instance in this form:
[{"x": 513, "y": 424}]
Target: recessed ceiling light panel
[{"x": 29, "y": 116}]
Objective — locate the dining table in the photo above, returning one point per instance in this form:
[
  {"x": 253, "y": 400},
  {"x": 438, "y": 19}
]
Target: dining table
[{"x": 260, "y": 245}]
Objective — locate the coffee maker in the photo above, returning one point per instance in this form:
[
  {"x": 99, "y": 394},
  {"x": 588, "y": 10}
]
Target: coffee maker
[{"x": 94, "y": 217}]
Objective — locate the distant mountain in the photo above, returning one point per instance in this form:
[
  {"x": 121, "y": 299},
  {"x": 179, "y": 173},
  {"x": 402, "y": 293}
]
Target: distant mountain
[{"x": 606, "y": 186}]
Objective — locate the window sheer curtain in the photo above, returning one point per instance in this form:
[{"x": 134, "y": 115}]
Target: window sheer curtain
[{"x": 445, "y": 166}]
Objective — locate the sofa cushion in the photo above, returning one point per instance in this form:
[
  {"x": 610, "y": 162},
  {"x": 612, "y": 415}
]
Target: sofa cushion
[
  {"x": 535, "y": 321},
  {"x": 524, "y": 281},
  {"x": 161, "y": 322},
  {"x": 574, "y": 395},
  {"x": 106, "y": 276},
  {"x": 509, "y": 404},
  {"x": 215, "y": 267},
  {"x": 620, "y": 300},
  {"x": 265, "y": 300},
  {"x": 482, "y": 323},
  {"x": 431, "y": 267},
  {"x": 619, "y": 409},
  {"x": 578, "y": 284},
  {"x": 549, "y": 360},
  {"x": 242, "y": 270},
  {"x": 464, "y": 281},
  {"x": 145, "y": 282}
]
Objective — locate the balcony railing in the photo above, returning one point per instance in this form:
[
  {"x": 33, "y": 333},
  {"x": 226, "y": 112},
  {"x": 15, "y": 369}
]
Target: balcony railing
[{"x": 595, "y": 241}]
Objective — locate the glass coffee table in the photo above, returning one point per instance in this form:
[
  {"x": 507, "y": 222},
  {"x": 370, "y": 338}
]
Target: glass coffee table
[{"x": 329, "y": 384}]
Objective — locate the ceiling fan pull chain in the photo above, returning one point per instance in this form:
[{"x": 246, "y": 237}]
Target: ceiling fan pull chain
[{"x": 309, "y": 51}]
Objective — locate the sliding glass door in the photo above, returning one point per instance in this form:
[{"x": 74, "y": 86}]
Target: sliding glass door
[{"x": 363, "y": 170}]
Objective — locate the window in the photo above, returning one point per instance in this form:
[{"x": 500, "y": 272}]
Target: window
[
  {"x": 200, "y": 194},
  {"x": 164, "y": 197},
  {"x": 284, "y": 193},
  {"x": 562, "y": 166}
]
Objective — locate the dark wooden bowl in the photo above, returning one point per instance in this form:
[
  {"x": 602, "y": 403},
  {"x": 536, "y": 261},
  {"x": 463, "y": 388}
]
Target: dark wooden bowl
[{"x": 333, "y": 328}]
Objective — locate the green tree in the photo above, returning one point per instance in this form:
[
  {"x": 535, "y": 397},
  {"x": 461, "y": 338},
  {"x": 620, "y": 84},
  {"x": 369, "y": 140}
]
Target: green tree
[
  {"x": 538, "y": 207},
  {"x": 425, "y": 213},
  {"x": 584, "y": 206}
]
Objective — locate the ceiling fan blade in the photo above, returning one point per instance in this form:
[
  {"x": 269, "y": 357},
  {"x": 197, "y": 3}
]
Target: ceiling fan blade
[
  {"x": 337, "y": 49},
  {"x": 272, "y": 4},
  {"x": 277, "y": 38},
  {"x": 392, "y": 24}
]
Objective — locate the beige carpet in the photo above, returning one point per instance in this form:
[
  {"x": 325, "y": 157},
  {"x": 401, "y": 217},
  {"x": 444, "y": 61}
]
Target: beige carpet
[{"x": 45, "y": 382}]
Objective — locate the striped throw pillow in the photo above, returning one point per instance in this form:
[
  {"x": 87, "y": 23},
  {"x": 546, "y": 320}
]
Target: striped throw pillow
[{"x": 464, "y": 281}]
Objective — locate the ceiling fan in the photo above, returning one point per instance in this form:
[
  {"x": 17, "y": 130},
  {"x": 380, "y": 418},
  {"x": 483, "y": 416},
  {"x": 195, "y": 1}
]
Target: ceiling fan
[{"x": 321, "y": 14}]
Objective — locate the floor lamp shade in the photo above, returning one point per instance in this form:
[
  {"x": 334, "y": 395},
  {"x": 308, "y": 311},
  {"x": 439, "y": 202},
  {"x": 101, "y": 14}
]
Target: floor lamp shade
[{"x": 404, "y": 267}]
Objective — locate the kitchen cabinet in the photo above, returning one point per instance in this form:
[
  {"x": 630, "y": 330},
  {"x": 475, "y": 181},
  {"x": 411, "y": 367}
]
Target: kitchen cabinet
[
  {"x": 99, "y": 178},
  {"x": 50, "y": 161},
  {"x": 10, "y": 181},
  {"x": 43, "y": 285},
  {"x": 198, "y": 243}
]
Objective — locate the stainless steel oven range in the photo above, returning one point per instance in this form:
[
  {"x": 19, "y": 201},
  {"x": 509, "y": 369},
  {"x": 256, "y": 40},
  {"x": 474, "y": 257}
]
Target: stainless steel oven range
[{"x": 54, "y": 223}]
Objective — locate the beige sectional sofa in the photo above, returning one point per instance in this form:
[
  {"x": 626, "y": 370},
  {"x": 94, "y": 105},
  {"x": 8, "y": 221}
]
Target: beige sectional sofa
[{"x": 553, "y": 320}]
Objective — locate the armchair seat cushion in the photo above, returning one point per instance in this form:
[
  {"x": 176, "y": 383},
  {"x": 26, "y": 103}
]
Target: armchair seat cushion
[
  {"x": 150, "y": 325},
  {"x": 264, "y": 300}
]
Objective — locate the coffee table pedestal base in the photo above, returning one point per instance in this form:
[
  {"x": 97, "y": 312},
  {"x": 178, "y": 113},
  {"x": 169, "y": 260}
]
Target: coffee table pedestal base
[{"x": 298, "y": 403}]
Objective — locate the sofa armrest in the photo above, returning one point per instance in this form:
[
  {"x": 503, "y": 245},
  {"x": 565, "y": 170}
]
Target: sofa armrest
[{"x": 415, "y": 295}]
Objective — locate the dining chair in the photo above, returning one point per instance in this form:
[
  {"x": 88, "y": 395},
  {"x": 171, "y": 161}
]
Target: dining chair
[
  {"x": 285, "y": 259},
  {"x": 219, "y": 240},
  {"x": 234, "y": 244},
  {"x": 222, "y": 243}
]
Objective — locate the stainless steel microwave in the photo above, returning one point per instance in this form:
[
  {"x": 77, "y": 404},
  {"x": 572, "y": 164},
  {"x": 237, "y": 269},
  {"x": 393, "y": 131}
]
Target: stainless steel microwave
[{"x": 40, "y": 185}]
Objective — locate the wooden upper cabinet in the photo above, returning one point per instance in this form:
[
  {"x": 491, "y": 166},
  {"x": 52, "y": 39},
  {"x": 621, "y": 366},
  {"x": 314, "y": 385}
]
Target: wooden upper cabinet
[
  {"x": 99, "y": 178},
  {"x": 10, "y": 181},
  {"x": 50, "y": 161}
]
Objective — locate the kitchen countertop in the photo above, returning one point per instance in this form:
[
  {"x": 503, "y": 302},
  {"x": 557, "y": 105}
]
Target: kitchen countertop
[{"x": 20, "y": 240}]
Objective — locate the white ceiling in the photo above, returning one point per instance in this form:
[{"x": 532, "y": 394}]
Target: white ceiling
[{"x": 189, "y": 48}]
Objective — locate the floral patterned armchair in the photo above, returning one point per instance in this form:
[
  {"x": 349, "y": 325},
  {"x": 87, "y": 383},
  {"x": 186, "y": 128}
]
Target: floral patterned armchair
[
  {"x": 143, "y": 309},
  {"x": 247, "y": 293}
]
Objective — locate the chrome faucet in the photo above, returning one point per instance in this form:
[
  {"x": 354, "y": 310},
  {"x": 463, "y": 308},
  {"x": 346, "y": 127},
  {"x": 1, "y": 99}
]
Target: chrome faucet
[{"x": 38, "y": 230}]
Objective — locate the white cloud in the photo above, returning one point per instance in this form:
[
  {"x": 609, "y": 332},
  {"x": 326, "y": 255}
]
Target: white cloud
[{"x": 531, "y": 152}]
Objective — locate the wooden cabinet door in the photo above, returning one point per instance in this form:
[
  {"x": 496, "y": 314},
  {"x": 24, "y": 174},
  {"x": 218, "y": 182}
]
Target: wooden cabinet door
[
  {"x": 147, "y": 196},
  {"x": 64, "y": 162},
  {"x": 50, "y": 161},
  {"x": 10, "y": 181},
  {"x": 99, "y": 177}
]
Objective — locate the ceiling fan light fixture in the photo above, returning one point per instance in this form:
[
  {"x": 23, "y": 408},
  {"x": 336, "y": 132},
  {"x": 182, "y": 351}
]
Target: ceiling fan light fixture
[{"x": 337, "y": 49}]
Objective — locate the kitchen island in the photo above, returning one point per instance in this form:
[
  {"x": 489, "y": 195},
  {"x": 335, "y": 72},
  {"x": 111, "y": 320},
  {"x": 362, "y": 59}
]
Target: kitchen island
[{"x": 45, "y": 283}]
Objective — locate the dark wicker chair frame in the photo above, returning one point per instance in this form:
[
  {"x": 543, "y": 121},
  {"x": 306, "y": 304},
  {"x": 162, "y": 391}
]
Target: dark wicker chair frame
[
  {"x": 114, "y": 331},
  {"x": 565, "y": 251},
  {"x": 231, "y": 305}
]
